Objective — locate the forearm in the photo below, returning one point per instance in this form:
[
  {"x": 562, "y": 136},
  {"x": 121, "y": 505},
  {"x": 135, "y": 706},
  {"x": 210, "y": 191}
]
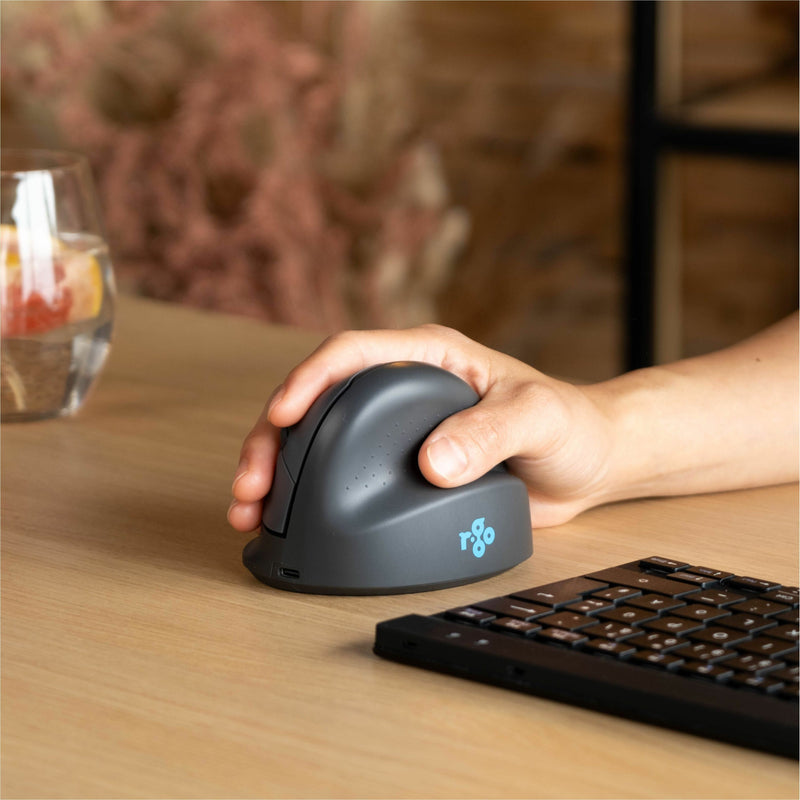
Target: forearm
[{"x": 722, "y": 421}]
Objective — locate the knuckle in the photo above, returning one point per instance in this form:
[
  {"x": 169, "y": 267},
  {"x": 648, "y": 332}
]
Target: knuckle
[
  {"x": 547, "y": 409},
  {"x": 334, "y": 347},
  {"x": 459, "y": 354},
  {"x": 436, "y": 329},
  {"x": 537, "y": 395},
  {"x": 346, "y": 339},
  {"x": 252, "y": 445},
  {"x": 448, "y": 339},
  {"x": 487, "y": 434}
]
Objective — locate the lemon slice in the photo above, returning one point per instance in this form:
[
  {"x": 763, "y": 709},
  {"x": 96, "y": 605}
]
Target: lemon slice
[
  {"x": 82, "y": 274},
  {"x": 9, "y": 248},
  {"x": 84, "y": 278}
]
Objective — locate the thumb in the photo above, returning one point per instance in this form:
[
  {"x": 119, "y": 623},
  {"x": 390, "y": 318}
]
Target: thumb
[{"x": 468, "y": 444}]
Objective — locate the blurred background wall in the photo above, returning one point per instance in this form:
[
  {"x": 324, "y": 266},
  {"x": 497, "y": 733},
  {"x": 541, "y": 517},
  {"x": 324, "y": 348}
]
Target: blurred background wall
[{"x": 337, "y": 164}]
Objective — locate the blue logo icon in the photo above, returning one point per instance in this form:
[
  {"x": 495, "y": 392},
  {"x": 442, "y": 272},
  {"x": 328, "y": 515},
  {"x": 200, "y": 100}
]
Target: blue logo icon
[{"x": 480, "y": 537}]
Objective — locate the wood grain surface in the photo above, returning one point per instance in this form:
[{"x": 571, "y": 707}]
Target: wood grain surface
[{"x": 140, "y": 658}]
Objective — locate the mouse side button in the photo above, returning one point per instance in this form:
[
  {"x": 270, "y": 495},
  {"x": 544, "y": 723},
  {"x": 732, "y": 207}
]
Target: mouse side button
[{"x": 279, "y": 500}]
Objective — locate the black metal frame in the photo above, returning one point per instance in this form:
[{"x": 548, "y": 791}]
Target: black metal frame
[{"x": 649, "y": 135}]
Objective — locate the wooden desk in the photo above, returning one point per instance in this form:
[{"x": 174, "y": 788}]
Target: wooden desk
[{"x": 140, "y": 659}]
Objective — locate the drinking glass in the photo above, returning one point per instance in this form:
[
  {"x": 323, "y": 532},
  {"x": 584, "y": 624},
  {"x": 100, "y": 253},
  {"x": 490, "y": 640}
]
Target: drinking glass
[{"x": 56, "y": 284}]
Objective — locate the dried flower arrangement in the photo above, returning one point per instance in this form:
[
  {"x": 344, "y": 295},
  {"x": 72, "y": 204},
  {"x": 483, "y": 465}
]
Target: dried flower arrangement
[{"x": 252, "y": 157}]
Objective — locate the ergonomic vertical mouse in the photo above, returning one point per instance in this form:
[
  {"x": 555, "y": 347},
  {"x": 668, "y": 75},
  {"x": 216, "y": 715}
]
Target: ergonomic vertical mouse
[{"x": 350, "y": 512}]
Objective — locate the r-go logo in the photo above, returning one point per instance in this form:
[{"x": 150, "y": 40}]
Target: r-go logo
[{"x": 480, "y": 537}]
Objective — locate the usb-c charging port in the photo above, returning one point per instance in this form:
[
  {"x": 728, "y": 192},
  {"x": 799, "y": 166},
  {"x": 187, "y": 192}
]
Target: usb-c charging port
[{"x": 293, "y": 574}]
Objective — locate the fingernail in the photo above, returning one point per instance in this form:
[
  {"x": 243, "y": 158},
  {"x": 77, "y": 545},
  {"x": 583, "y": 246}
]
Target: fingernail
[
  {"x": 278, "y": 396},
  {"x": 231, "y": 507},
  {"x": 241, "y": 471},
  {"x": 447, "y": 459}
]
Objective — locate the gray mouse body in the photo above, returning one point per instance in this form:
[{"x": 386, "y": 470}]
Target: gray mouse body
[{"x": 350, "y": 512}]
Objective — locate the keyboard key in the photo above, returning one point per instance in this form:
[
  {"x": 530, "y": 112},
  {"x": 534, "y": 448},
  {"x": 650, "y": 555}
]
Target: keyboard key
[
  {"x": 561, "y": 593},
  {"x": 657, "y": 659},
  {"x": 788, "y": 633},
  {"x": 701, "y": 612},
  {"x": 714, "y": 597},
  {"x": 752, "y": 584},
  {"x": 674, "y": 625},
  {"x": 470, "y": 614},
  {"x": 792, "y": 616},
  {"x": 620, "y": 649},
  {"x": 662, "y": 564},
  {"x": 764, "y": 683},
  {"x": 702, "y": 669},
  {"x": 726, "y": 637},
  {"x": 702, "y": 651},
  {"x": 748, "y": 622},
  {"x": 639, "y": 580},
  {"x": 567, "y": 620},
  {"x": 755, "y": 605},
  {"x": 589, "y": 605},
  {"x": 655, "y": 640},
  {"x": 516, "y": 625},
  {"x": 766, "y": 646},
  {"x": 657, "y": 602},
  {"x": 508, "y": 607},
  {"x": 691, "y": 577},
  {"x": 716, "y": 574},
  {"x": 617, "y": 593},
  {"x": 753, "y": 663},
  {"x": 628, "y": 615},
  {"x": 560, "y": 636},
  {"x": 610, "y": 630},
  {"x": 787, "y": 674},
  {"x": 786, "y": 596}
]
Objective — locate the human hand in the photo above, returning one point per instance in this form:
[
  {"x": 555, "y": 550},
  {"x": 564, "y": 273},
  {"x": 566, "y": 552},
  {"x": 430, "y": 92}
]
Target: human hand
[{"x": 553, "y": 435}]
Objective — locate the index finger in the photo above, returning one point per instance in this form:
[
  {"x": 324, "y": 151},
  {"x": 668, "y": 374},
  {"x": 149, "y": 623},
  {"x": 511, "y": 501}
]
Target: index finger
[{"x": 343, "y": 354}]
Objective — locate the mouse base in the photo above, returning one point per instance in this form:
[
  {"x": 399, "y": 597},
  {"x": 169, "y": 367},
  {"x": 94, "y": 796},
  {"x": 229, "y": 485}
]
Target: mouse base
[
  {"x": 262, "y": 557},
  {"x": 294, "y": 585}
]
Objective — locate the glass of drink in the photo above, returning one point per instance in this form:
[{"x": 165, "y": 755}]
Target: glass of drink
[{"x": 56, "y": 284}]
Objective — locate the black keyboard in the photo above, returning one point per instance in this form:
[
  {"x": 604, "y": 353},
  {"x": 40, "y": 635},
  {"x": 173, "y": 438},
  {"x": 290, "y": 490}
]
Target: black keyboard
[{"x": 697, "y": 649}]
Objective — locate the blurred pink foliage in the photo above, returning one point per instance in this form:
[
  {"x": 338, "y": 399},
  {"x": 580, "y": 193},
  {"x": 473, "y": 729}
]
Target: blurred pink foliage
[{"x": 220, "y": 144}]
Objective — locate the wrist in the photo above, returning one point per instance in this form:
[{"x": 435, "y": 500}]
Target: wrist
[{"x": 637, "y": 463}]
